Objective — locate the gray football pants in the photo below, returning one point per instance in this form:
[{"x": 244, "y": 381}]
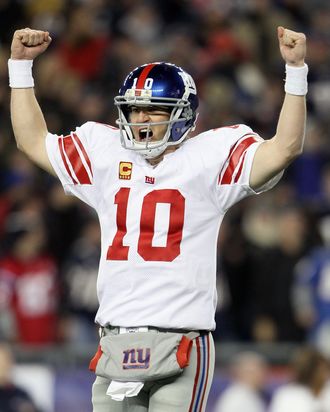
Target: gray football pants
[{"x": 186, "y": 393}]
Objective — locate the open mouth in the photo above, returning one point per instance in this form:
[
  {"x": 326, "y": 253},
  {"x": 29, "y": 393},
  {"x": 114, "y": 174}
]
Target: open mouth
[{"x": 145, "y": 134}]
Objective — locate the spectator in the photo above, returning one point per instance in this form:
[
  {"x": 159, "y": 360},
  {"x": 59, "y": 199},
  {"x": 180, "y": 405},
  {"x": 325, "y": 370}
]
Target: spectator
[
  {"x": 309, "y": 390},
  {"x": 28, "y": 282},
  {"x": 273, "y": 274},
  {"x": 12, "y": 397},
  {"x": 245, "y": 392},
  {"x": 83, "y": 48},
  {"x": 80, "y": 275},
  {"x": 311, "y": 293}
]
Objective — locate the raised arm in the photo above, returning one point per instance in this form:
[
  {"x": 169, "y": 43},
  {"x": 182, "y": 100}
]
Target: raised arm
[
  {"x": 28, "y": 122},
  {"x": 276, "y": 154}
]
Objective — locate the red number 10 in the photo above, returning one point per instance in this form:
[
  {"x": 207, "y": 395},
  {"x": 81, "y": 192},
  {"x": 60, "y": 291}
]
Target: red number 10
[{"x": 117, "y": 251}]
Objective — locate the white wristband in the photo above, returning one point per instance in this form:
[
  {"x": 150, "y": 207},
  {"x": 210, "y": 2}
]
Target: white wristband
[
  {"x": 296, "y": 80},
  {"x": 20, "y": 74}
]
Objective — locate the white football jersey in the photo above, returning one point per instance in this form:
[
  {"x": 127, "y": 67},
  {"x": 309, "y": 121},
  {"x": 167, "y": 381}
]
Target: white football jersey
[{"x": 159, "y": 224}]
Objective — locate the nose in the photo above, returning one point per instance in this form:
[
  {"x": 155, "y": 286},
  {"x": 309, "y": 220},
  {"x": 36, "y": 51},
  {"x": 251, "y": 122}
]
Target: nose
[{"x": 142, "y": 116}]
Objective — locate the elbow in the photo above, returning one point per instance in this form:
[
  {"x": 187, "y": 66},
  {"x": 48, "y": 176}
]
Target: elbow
[
  {"x": 290, "y": 140},
  {"x": 289, "y": 149},
  {"x": 292, "y": 153},
  {"x": 20, "y": 146},
  {"x": 299, "y": 152},
  {"x": 296, "y": 150}
]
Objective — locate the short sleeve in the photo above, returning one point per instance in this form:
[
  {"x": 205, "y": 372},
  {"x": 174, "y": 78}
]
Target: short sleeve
[
  {"x": 72, "y": 159},
  {"x": 237, "y": 146}
]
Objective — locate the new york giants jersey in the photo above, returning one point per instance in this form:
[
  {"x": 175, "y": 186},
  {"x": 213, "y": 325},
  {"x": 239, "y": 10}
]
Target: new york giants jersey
[{"x": 159, "y": 225}]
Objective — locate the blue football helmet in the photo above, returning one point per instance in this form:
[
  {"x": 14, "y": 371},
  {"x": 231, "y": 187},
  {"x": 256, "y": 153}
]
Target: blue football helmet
[{"x": 157, "y": 84}]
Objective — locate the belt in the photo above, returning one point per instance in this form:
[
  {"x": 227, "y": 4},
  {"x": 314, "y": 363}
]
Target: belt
[{"x": 119, "y": 330}]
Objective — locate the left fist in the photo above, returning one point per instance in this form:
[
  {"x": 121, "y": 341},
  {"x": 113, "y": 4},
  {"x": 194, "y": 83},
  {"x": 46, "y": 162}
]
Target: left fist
[{"x": 292, "y": 46}]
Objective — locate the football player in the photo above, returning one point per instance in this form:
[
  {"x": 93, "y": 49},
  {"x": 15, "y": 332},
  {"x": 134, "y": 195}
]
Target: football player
[{"x": 160, "y": 198}]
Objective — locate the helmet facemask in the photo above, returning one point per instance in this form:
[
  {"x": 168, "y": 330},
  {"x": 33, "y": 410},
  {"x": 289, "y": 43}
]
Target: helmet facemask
[{"x": 175, "y": 133}]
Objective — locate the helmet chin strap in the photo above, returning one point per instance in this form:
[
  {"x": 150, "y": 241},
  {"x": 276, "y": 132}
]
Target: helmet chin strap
[
  {"x": 146, "y": 151},
  {"x": 152, "y": 153}
]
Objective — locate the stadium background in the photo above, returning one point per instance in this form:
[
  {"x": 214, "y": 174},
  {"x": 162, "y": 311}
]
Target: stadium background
[{"x": 230, "y": 48}]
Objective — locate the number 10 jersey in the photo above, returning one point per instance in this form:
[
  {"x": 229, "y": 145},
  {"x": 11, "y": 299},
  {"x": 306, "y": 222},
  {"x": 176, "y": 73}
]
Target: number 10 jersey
[{"x": 159, "y": 225}]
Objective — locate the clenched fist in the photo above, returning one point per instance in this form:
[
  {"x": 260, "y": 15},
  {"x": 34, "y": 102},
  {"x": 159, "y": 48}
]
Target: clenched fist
[
  {"x": 292, "y": 46},
  {"x": 27, "y": 44}
]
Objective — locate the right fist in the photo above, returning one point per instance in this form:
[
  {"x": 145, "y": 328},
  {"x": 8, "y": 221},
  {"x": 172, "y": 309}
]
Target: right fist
[{"x": 27, "y": 44}]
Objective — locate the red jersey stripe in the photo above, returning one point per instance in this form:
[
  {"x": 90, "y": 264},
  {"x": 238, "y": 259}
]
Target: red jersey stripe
[
  {"x": 81, "y": 147},
  {"x": 238, "y": 174},
  {"x": 142, "y": 78},
  {"x": 60, "y": 144},
  {"x": 75, "y": 160},
  {"x": 235, "y": 159},
  {"x": 197, "y": 374},
  {"x": 228, "y": 157}
]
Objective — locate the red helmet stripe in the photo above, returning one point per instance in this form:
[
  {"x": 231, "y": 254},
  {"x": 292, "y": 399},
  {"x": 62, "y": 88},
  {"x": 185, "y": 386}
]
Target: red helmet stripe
[{"x": 142, "y": 78}]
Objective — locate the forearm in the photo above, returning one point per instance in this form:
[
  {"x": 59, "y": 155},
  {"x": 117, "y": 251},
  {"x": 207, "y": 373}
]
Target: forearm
[
  {"x": 28, "y": 122},
  {"x": 29, "y": 126},
  {"x": 290, "y": 132}
]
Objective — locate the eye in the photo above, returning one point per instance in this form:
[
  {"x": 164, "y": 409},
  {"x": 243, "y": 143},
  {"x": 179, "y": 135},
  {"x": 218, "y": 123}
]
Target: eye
[
  {"x": 152, "y": 109},
  {"x": 133, "y": 109},
  {"x": 158, "y": 110}
]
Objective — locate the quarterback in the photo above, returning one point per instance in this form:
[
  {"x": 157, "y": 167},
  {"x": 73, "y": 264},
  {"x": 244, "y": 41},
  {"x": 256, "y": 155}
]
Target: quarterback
[{"x": 160, "y": 198}]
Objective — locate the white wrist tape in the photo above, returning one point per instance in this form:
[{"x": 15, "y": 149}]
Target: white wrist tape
[
  {"x": 20, "y": 74},
  {"x": 296, "y": 80}
]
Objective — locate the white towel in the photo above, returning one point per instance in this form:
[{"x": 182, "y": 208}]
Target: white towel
[{"x": 120, "y": 390}]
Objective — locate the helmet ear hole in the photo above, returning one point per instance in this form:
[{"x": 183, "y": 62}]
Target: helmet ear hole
[{"x": 178, "y": 129}]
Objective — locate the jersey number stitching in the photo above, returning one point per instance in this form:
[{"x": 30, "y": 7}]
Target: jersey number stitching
[{"x": 117, "y": 250}]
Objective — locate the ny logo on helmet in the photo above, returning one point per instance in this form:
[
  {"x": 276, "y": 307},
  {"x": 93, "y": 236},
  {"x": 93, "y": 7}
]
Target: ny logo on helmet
[{"x": 188, "y": 82}]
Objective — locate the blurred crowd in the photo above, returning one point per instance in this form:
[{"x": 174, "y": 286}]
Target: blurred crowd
[
  {"x": 274, "y": 249},
  {"x": 305, "y": 389}
]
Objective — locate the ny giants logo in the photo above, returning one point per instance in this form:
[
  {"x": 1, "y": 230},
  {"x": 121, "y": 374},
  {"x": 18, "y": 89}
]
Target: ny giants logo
[
  {"x": 150, "y": 180},
  {"x": 136, "y": 358}
]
